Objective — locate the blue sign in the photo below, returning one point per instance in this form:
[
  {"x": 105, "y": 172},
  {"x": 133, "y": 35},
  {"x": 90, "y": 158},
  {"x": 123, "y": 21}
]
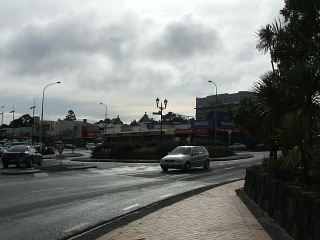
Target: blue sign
[{"x": 224, "y": 120}]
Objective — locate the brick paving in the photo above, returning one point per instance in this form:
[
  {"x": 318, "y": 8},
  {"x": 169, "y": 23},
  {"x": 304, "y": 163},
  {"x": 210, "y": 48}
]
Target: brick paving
[{"x": 215, "y": 214}]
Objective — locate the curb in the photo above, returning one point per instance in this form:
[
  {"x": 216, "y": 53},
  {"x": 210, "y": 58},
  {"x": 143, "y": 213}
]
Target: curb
[
  {"x": 235, "y": 157},
  {"x": 115, "y": 160},
  {"x": 58, "y": 167},
  {"x": 20, "y": 171},
  {"x": 99, "y": 229}
]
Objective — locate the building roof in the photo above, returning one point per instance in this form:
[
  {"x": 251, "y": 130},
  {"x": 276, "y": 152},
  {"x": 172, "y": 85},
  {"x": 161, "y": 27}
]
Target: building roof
[
  {"x": 145, "y": 118},
  {"x": 134, "y": 123},
  {"x": 116, "y": 120}
]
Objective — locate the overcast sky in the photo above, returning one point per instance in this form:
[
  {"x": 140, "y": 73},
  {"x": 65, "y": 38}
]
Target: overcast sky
[{"x": 126, "y": 54}]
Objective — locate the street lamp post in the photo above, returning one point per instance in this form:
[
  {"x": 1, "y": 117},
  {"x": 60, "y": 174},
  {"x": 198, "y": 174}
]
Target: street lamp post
[
  {"x": 12, "y": 122},
  {"x": 105, "y": 122},
  {"x": 32, "y": 131},
  {"x": 41, "y": 122},
  {"x": 161, "y": 108},
  {"x": 1, "y": 120},
  {"x": 2, "y": 107},
  {"x": 215, "y": 111}
]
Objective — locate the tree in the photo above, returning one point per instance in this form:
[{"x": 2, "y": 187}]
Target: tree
[
  {"x": 24, "y": 121},
  {"x": 268, "y": 38},
  {"x": 289, "y": 96},
  {"x": 71, "y": 116},
  {"x": 171, "y": 117},
  {"x": 246, "y": 117}
]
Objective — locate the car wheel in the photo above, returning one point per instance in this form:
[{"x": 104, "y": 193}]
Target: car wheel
[
  {"x": 187, "y": 167},
  {"x": 29, "y": 163},
  {"x": 206, "y": 165},
  {"x": 164, "y": 168}
]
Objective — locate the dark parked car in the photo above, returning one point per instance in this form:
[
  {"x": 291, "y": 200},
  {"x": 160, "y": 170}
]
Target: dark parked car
[
  {"x": 2, "y": 150},
  {"x": 21, "y": 155},
  {"x": 185, "y": 157}
]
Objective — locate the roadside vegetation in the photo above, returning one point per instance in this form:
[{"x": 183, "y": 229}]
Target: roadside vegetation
[
  {"x": 286, "y": 112},
  {"x": 153, "y": 150}
]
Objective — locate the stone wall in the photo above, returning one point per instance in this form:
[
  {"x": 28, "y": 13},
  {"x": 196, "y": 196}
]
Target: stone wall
[{"x": 294, "y": 209}]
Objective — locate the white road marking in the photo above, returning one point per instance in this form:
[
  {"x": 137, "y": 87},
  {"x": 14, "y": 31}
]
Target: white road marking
[
  {"x": 132, "y": 206},
  {"x": 165, "y": 196},
  {"x": 6, "y": 179},
  {"x": 200, "y": 186},
  {"x": 75, "y": 227},
  {"x": 47, "y": 190},
  {"x": 41, "y": 174}
]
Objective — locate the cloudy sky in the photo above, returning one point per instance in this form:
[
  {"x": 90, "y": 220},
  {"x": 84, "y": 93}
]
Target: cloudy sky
[{"x": 126, "y": 54}]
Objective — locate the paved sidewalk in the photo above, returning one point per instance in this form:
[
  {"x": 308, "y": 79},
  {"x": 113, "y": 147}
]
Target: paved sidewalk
[{"x": 214, "y": 214}]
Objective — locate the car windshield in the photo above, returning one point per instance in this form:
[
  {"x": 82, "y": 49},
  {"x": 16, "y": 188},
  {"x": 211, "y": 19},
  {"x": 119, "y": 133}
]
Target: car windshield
[
  {"x": 181, "y": 150},
  {"x": 18, "y": 148}
]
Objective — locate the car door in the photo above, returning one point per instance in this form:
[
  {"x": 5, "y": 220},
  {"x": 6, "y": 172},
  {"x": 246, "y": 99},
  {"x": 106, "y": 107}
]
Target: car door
[
  {"x": 202, "y": 156},
  {"x": 194, "y": 157}
]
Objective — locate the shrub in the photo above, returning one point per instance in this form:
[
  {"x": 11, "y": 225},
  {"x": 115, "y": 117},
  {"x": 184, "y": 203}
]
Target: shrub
[
  {"x": 219, "y": 151},
  {"x": 122, "y": 150},
  {"x": 276, "y": 169},
  {"x": 165, "y": 147},
  {"x": 146, "y": 153},
  {"x": 210, "y": 143},
  {"x": 102, "y": 151}
]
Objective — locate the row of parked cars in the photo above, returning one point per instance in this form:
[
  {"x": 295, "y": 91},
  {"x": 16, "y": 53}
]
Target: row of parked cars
[{"x": 20, "y": 155}]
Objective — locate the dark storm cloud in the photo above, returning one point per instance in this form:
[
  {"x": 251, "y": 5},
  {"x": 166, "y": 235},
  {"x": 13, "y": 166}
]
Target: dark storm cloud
[{"x": 186, "y": 38}]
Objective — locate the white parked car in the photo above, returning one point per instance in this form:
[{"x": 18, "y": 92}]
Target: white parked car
[
  {"x": 90, "y": 146},
  {"x": 185, "y": 157},
  {"x": 238, "y": 146}
]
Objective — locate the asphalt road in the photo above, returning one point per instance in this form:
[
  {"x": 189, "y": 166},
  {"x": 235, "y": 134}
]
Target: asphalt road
[{"x": 56, "y": 205}]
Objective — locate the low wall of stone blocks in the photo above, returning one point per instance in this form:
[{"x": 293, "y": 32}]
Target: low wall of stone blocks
[{"x": 296, "y": 210}]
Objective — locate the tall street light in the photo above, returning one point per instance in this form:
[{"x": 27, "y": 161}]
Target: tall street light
[
  {"x": 2, "y": 107},
  {"x": 12, "y": 122},
  {"x": 161, "y": 108},
  {"x": 215, "y": 111},
  {"x": 41, "y": 122},
  {"x": 105, "y": 121},
  {"x": 1, "y": 120},
  {"x": 32, "y": 132}
]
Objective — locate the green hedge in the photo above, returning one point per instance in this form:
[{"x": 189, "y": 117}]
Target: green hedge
[
  {"x": 150, "y": 151},
  {"x": 219, "y": 151}
]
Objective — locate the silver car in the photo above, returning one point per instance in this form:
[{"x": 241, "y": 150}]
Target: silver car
[{"x": 185, "y": 157}]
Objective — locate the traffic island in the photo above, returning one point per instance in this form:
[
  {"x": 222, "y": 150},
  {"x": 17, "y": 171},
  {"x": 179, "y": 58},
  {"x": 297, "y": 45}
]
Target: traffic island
[
  {"x": 14, "y": 171},
  {"x": 228, "y": 158},
  {"x": 66, "y": 167}
]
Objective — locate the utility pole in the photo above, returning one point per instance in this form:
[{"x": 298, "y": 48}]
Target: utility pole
[
  {"x": 12, "y": 122},
  {"x": 215, "y": 111},
  {"x": 32, "y": 131}
]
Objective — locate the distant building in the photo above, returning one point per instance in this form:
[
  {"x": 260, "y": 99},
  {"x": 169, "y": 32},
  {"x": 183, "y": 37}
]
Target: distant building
[
  {"x": 222, "y": 102},
  {"x": 214, "y": 116},
  {"x": 75, "y": 129}
]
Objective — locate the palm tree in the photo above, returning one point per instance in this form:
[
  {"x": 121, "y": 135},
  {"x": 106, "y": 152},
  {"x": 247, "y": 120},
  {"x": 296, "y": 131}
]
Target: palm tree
[
  {"x": 268, "y": 37},
  {"x": 270, "y": 107}
]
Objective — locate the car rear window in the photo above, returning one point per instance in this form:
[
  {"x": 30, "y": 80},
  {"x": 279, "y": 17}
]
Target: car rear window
[{"x": 18, "y": 148}]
